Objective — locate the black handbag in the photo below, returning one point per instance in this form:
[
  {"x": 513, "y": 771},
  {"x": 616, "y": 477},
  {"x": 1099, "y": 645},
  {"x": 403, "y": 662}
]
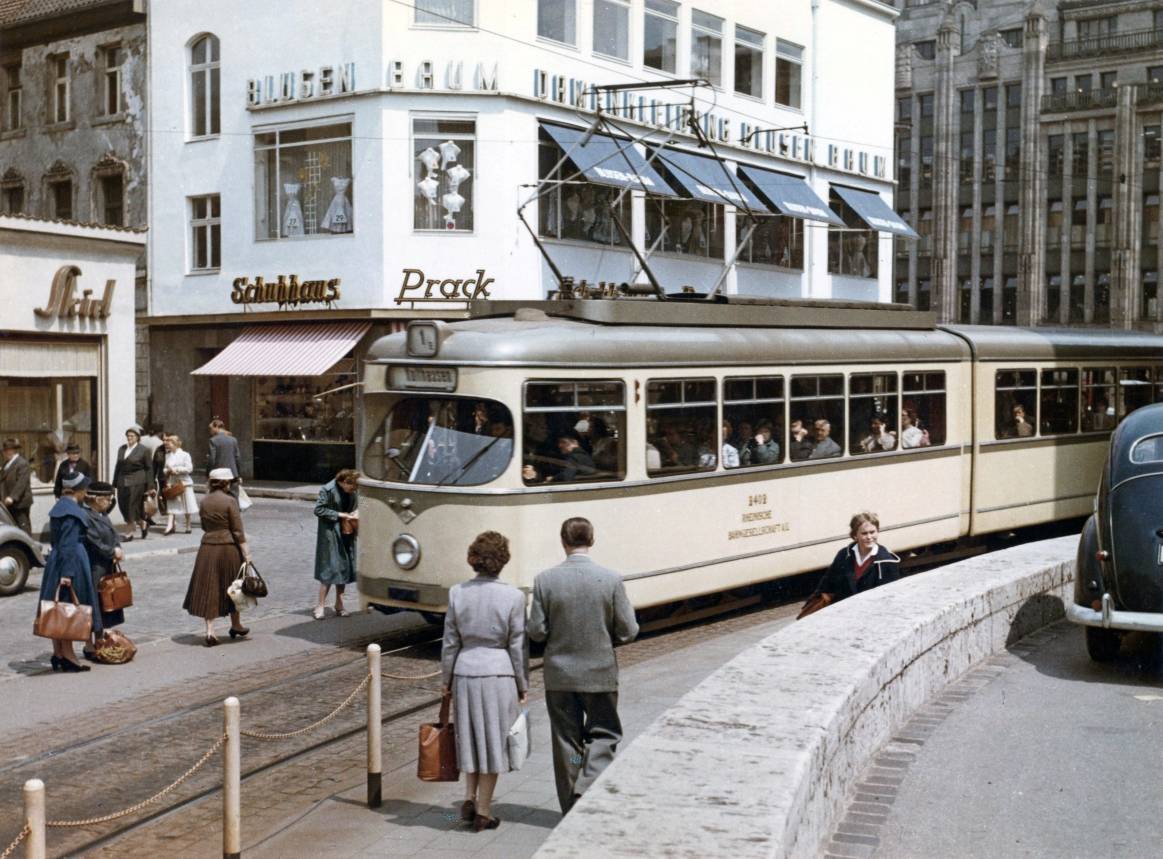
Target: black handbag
[{"x": 253, "y": 584}]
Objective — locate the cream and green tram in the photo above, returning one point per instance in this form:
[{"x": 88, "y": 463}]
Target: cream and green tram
[{"x": 713, "y": 446}]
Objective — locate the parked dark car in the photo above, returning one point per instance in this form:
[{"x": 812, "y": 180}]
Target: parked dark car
[
  {"x": 1119, "y": 583},
  {"x": 19, "y": 553}
]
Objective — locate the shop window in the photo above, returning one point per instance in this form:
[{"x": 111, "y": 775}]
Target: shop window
[
  {"x": 789, "y": 62},
  {"x": 205, "y": 233},
  {"x": 660, "y": 35},
  {"x": 922, "y": 410},
  {"x": 748, "y": 62},
  {"x": 60, "y": 88},
  {"x": 111, "y": 198},
  {"x": 853, "y": 250},
  {"x": 1016, "y": 403},
  {"x": 690, "y": 227},
  {"x": 446, "y": 13},
  {"x": 13, "y": 98},
  {"x": 816, "y": 417},
  {"x": 872, "y": 412},
  {"x": 46, "y": 415},
  {"x": 776, "y": 241},
  {"x": 204, "y": 87},
  {"x": 612, "y": 28},
  {"x": 302, "y": 181},
  {"x": 12, "y": 194},
  {"x": 1135, "y": 387},
  {"x": 1059, "y": 401},
  {"x": 306, "y": 408},
  {"x": 574, "y": 431},
  {"x": 557, "y": 20},
  {"x": 681, "y": 436},
  {"x": 112, "y": 60},
  {"x": 707, "y": 47},
  {"x": 752, "y": 431},
  {"x": 572, "y": 208},
  {"x": 443, "y": 172},
  {"x": 1098, "y": 399}
]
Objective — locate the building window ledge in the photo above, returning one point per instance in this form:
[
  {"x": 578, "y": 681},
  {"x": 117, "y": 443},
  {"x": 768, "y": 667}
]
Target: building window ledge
[
  {"x": 13, "y": 134},
  {"x": 67, "y": 125},
  {"x": 110, "y": 119},
  {"x": 201, "y": 272}
]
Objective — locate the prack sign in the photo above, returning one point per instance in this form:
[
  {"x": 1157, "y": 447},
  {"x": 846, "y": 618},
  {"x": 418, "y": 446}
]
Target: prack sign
[{"x": 418, "y": 287}]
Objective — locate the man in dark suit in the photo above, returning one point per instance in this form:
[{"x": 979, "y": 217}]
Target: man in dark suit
[
  {"x": 16, "y": 484},
  {"x": 224, "y": 453},
  {"x": 577, "y": 464},
  {"x": 70, "y": 467},
  {"x": 580, "y": 611}
]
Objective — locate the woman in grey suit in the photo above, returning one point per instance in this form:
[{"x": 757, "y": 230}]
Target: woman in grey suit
[
  {"x": 483, "y": 667},
  {"x": 131, "y": 477}
]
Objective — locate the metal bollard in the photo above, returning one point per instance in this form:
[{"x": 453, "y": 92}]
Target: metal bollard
[
  {"x": 34, "y": 848},
  {"x": 375, "y": 762},
  {"x": 231, "y": 781}
]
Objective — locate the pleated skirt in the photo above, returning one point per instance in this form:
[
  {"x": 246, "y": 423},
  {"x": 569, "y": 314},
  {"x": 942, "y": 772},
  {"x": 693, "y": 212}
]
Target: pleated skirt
[
  {"x": 484, "y": 708},
  {"x": 215, "y": 567}
]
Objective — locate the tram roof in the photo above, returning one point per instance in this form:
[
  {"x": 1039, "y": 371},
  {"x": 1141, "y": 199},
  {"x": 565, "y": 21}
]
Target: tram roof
[{"x": 1005, "y": 342}]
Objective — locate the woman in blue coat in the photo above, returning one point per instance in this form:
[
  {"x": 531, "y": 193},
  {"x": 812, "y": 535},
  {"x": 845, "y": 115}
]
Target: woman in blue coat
[
  {"x": 335, "y": 549},
  {"x": 863, "y": 564},
  {"x": 69, "y": 563}
]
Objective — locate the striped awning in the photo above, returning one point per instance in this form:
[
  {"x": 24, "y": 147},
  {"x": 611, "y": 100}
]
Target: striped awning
[{"x": 309, "y": 349}]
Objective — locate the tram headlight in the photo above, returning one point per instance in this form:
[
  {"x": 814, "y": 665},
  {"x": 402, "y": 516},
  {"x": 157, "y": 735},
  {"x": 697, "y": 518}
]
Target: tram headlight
[{"x": 406, "y": 551}]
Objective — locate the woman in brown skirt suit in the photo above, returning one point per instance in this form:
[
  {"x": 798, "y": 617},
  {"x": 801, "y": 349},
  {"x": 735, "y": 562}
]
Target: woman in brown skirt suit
[{"x": 222, "y": 552}]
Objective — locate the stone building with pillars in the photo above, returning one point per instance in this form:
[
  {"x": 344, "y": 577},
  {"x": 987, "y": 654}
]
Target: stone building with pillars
[{"x": 1028, "y": 159}]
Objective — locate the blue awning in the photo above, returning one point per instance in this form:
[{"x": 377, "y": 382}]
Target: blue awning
[
  {"x": 608, "y": 160},
  {"x": 790, "y": 195},
  {"x": 875, "y": 212},
  {"x": 709, "y": 180}
]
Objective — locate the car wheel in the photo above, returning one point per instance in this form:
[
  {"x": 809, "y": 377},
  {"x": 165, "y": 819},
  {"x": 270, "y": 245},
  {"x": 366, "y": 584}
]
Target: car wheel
[
  {"x": 13, "y": 570},
  {"x": 1102, "y": 644}
]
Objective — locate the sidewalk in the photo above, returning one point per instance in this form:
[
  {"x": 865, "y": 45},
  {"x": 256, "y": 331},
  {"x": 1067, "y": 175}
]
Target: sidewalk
[{"x": 420, "y": 819}]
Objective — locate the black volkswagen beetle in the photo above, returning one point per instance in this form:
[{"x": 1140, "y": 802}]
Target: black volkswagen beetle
[
  {"x": 1119, "y": 582},
  {"x": 19, "y": 553}
]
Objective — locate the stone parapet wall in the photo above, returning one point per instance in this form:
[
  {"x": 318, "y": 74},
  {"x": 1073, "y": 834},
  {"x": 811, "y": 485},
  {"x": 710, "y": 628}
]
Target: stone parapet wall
[{"x": 756, "y": 760}]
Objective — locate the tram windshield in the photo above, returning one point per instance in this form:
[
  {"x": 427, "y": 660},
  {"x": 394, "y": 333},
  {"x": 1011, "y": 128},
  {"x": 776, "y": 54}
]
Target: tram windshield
[{"x": 442, "y": 441}]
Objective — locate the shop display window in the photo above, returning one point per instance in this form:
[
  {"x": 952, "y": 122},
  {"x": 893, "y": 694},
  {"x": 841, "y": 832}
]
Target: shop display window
[
  {"x": 443, "y": 173},
  {"x": 306, "y": 408},
  {"x": 303, "y": 182},
  {"x": 574, "y": 208},
  {"x": 47, "y": 415}
]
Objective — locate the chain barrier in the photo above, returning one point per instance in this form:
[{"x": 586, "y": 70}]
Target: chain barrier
[
  {"x": 24, "y": 833},
  {"x": 92, "y": 821},
  {"x": 428, "y": 676},
  {"x": 260, "y": 735}
]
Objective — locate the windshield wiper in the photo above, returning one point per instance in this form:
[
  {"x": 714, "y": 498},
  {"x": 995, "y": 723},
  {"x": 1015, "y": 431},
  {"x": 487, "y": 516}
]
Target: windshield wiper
[{"x": 472, "y": 459}]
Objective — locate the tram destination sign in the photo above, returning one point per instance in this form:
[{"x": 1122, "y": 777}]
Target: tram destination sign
[{"x": 422, "y": 378}]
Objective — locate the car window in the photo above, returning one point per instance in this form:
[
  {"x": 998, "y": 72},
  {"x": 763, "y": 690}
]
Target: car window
[{"x": 1149, "y": 449}]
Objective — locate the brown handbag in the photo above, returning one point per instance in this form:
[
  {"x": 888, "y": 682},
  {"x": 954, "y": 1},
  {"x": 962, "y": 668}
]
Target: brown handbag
[
  {"x": 172, "y": 490},
  {"x": 437, "y": 760},
  {"x": 349, "y": 526},
  {"x": 114, "y": 648},
  {"x": 815, "y": 603},
  {"x": 115, "y": 590},
  {"x": 63, "y": 621}
]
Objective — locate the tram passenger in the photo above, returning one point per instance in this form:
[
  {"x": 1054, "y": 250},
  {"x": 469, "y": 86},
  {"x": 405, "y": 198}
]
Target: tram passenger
[
  {"x": 800, "y": 447},
  {"x": 729, "y": 452},
  {"x": 578, "y": 463},
  {"x": 825, "y": 445},
  {"x": 745, "y": 432},
  {"x": 760, "y": 449},
  {"x": 605, "y": 446},
  {"x": 912, "y": 435},
  {"x": 676, "y": 450},
  {"x": 1019, "y": 426},
  {"x": 860, "y": 566},
  {"x": 879, "y": 436}
]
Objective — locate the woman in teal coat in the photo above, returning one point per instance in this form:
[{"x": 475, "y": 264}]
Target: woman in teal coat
[
  {"x": 69, "y": 562},
  {"x": 334, "y": 549}
]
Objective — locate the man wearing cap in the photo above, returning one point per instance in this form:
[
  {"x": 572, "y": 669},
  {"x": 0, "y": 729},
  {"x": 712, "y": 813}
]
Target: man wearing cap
[
  {"x": 16, "y": 484},
  {"x": 70, "y": 467}
]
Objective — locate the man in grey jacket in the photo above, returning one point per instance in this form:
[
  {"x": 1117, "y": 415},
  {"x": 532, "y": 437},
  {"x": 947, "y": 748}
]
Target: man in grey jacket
[
  {"x": 224, "y": 453},
  {"x": 580, "y": 611}
]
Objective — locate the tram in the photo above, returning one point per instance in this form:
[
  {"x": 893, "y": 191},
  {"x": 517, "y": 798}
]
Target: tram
[{"x": 719, "y": 445}]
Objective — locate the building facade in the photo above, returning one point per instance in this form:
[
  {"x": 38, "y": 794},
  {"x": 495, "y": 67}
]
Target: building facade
[
  {"x": 1028, "y": 159},
  {"x": 332, "y": 187}
]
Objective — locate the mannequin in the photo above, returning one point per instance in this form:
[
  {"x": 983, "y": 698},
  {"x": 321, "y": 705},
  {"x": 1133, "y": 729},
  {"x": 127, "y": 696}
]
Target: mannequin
[
  {"x": 457, "y": 175},
  {"x": 428, "y": 188},
  {"x": 452, "y": 202},
  {"x": 448, "y": 153},
  {"x": 431, "y": 160},
  {"x": 337, "y": 219},
  {"x": 293, "y": 215}
]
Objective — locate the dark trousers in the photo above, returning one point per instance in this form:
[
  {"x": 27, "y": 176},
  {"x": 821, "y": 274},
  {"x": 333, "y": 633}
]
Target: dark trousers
[
  {"x": 586, "y": 732},
  {"x": 21, "y": 517}
]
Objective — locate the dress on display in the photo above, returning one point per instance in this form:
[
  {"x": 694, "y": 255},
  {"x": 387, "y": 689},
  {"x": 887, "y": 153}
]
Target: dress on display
[
  {"x": 337, "y": 218},
  {"x": 293, "y": 216},
  {"x": 449, "y": 152}
]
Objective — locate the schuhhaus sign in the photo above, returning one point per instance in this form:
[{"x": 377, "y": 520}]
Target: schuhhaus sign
[
  {"x": 63, "y": 302},
  {"x": 286, "y": 291}
]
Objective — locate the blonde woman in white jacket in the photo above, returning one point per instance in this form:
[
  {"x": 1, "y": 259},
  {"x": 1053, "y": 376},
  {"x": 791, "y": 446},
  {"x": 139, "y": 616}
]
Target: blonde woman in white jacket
[{"x": 179, "y": 468}]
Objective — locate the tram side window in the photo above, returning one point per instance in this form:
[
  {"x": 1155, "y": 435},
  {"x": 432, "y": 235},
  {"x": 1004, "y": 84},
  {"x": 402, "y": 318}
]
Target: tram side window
[
  {"x": 1134, "y": 389},
  {"x": 753, "y": 431},
  {"x": 574, "y": 431},
  {"x": 680, "y": 426},
  {"x": 442, "y": 441},
  {"x": 1059, "y": 401},
  {"x": 1016, "y": 403},
  {"x": 817, "y": 417},
  {"x": 922, "y": 410},
  {"x": 872, "y": 412},
  {"x": 1098, "y": 399}
]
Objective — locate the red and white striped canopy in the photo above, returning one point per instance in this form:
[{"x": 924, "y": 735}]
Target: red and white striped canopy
[{"x": 302, "y": 349}]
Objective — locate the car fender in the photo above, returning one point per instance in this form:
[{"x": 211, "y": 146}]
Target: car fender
[
  {"x": 11, "y": 536},
  {"x": 1089, "y": 584}
]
